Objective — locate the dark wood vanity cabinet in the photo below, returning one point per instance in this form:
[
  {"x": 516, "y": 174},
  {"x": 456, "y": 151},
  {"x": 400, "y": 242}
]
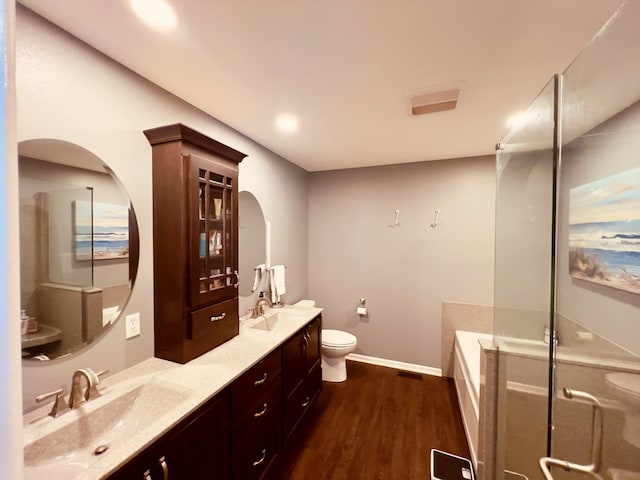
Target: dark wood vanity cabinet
[
  {"x": 240, "y": 432},
  {"x": 256, "y": 418},
  {"x": 195, "y": 242},
  {"x": 197, "y": 448},
  {"x": 301, "y": 374}
]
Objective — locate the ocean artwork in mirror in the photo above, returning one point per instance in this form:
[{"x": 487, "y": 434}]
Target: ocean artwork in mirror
[
  {"x": 101, "y": 230},
  {"x": 79, "y": 248},
  {"x": 604, "y": 231},
  {"x": 251, "y": 242}
]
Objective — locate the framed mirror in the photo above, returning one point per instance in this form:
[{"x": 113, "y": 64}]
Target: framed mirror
[
  {"x": 79, "y": 248},
  {"x": 251, "y": 240}
]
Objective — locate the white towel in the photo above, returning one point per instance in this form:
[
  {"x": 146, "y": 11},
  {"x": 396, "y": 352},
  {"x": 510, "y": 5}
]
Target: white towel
[
  {"x": 258, "y": 276},
  {"x": 278, "y": 287}
]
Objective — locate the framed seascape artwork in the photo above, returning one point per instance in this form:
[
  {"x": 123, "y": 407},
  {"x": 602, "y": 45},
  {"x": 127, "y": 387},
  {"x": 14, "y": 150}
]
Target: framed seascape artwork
[
  {"x": 110, "y": 239},
  {"x": 604, "y": 231}
]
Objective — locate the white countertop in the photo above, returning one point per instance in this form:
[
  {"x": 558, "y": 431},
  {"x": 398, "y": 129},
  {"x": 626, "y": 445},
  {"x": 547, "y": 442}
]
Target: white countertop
[{"x": 188, "y": 387}]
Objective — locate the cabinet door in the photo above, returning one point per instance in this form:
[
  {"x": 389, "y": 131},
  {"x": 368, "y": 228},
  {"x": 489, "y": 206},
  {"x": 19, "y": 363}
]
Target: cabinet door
[
  {"x": 313, "y": 351},
  {"x": 213, "y": 244},
  {"x": 200, "y": 449},
  {"x": 294, "y": 354},
  {"x": 144, "y": 467}
]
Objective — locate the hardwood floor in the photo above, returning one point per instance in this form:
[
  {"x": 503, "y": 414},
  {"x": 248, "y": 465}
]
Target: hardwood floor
[{"x": 379, "y": 424}]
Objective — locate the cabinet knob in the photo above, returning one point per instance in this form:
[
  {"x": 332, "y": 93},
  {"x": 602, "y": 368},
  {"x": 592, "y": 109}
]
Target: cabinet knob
[
  {"x": 306, "y": 402},
  {"x": 215, "y": 318}
]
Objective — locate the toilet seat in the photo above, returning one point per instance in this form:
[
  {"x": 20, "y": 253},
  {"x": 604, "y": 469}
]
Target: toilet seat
[
  {"x": 337, "y": 338},
  {"x": 627, "y": 384}
]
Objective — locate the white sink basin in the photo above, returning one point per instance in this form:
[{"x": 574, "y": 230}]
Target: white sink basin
[
  {"x": 104, "y": 421},
  {"x": 276, "y": 322}
]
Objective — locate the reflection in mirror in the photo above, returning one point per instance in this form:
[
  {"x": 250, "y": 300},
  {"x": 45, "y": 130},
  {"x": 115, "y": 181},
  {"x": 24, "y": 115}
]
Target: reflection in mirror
[
  {"x": 78, "y": 248},
  {"x": 251, "y": 240}
]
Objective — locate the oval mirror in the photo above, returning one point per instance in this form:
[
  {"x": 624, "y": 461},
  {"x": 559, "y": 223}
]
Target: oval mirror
[
  {"x": 78, "y": 248},
  {"x": 251, "y": 240}
]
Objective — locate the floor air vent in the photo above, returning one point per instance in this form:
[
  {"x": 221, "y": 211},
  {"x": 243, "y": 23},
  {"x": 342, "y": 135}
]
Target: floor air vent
[{"x": 411, "y": 375}]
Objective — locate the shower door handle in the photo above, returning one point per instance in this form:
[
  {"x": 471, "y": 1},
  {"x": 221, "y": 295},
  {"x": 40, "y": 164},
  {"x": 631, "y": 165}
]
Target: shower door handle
[{"x": 596, "y": 439}]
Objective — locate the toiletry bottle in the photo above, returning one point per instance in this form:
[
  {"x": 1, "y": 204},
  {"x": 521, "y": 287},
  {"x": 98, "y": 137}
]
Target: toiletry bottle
[{"x": 24, "y": 322}]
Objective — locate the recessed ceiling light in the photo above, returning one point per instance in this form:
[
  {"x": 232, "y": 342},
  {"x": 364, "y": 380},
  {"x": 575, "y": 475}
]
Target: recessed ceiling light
[
  {"x": 287, "y": 123},
  {"x": 155, "y": 13}
]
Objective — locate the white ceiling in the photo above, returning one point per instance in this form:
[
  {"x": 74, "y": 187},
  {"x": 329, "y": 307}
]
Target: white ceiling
[{"x": 345, "y": 67}]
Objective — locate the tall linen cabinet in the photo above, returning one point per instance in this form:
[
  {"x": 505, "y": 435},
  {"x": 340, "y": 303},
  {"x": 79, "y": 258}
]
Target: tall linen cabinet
[{"x": 195, "y": 242}]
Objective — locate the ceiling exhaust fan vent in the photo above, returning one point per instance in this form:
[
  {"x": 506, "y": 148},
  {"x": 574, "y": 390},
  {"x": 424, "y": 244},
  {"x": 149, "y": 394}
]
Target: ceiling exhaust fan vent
[{"x": 435, "y": 99}]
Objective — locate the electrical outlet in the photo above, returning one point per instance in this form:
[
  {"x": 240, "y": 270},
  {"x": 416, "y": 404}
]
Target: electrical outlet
[{"x": 132, "y": 325}]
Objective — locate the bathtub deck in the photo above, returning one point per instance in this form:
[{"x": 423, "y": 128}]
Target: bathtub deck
[
  {"x": 378, "y": 424},
  {"x": 466, "y": 373}
]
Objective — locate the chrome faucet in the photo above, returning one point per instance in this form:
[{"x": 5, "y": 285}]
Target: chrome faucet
[
  {"x": 76, "y": 397},
  {"x": 261, "y": 306}
]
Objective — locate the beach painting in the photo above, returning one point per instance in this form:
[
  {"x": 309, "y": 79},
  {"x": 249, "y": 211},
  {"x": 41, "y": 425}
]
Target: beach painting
[
  {"x": 604, "y": 231},
  {"x": 110, "y": 239}
]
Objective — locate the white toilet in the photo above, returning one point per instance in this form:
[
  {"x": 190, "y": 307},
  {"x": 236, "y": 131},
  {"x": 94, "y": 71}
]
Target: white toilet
[{"x": 336, "y": 345}]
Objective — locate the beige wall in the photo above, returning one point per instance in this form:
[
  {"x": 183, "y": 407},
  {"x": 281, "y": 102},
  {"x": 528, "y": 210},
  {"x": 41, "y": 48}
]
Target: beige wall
[
  {"x": 68, "y": 91},
  {"x": 405, "y": 273}
]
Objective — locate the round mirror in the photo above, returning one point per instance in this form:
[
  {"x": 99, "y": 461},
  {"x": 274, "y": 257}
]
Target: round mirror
[
  {"x": 251, "y": 240},
  {"x": 78, "y": 248}
]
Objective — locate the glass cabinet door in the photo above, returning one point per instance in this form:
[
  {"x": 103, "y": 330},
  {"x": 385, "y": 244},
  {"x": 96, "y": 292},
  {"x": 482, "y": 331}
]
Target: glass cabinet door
[{"x": 214, "y": 242}]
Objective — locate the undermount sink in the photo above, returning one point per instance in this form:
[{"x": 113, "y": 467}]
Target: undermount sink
[
  {"x": 100, "y": 422},
  {"x": 275, "y": 322}
]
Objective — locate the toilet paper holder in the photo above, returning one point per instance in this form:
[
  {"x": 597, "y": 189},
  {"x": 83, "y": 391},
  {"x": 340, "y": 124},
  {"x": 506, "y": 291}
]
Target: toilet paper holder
[{"x": 362, "y": 308}]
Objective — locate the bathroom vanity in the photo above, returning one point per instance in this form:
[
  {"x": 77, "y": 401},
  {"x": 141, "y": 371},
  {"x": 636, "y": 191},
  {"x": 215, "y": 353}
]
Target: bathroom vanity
[
  {"x": 226, "y": 414},
  {"x": 195, "y": 445},
  {"x": 240, "y": 430}
]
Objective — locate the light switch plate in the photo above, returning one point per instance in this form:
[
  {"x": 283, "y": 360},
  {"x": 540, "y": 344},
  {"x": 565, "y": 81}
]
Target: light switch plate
[{"x": 132, "y": 325}]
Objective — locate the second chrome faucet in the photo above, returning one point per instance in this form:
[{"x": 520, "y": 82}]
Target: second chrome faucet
[
  {"x": 77, "y": 396},
  {"x": 92, "y": 380}
]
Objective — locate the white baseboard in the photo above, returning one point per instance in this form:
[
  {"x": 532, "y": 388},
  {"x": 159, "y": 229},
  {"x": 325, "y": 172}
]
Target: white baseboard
[{"x": 383, "y": 362}]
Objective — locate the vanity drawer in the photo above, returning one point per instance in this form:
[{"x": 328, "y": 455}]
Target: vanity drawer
[
  {"x": 254, "y": 383},
  {"x": 257, "y": 454},
  {"x": 265, "y": 410},
  {"x": 216, "y": 323},
  {"x": 301, "y": 399}
]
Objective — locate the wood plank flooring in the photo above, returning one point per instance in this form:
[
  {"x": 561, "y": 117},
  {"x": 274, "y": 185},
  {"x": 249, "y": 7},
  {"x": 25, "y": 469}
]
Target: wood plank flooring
[{"x": 376, "y": 425}]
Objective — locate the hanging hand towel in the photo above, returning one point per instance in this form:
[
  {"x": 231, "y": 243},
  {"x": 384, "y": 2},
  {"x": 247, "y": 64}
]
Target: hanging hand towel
[
  {"x": 278, "y": 287},
  {"x": 258, "y": 276}
]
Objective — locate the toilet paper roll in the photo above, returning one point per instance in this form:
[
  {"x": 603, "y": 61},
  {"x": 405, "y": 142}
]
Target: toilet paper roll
[{"x": 362, "y": 311}]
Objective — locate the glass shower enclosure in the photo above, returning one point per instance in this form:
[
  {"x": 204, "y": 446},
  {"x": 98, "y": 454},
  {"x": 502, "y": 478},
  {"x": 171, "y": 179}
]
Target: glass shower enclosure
[{"x": 567, "y": 273}]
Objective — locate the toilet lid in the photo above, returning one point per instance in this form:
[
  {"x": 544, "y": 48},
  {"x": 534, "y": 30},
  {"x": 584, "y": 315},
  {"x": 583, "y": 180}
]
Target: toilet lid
[
  {"x": 626, "y": 383},
  {"x": 336, "y": 338}
]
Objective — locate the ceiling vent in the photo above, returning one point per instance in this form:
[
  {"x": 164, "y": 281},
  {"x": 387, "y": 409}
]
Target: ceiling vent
[{"x": 434, "y": 99}]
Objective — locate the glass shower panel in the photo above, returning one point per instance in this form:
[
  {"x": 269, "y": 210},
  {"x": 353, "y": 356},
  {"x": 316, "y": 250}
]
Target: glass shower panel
[
  {"x": 57, "y": 230},
  {"x": 598, "y": 260},
  {"x": 523, "y": 286}
]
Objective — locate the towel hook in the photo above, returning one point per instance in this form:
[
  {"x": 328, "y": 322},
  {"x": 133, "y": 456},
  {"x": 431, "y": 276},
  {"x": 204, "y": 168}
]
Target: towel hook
[
  {"x": 396, "y": 222},
  {"x": 435, "y": 221}
]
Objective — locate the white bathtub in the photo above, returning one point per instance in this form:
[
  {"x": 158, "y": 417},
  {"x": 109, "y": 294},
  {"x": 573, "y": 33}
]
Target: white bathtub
[{"x": 466, "y": 373}]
